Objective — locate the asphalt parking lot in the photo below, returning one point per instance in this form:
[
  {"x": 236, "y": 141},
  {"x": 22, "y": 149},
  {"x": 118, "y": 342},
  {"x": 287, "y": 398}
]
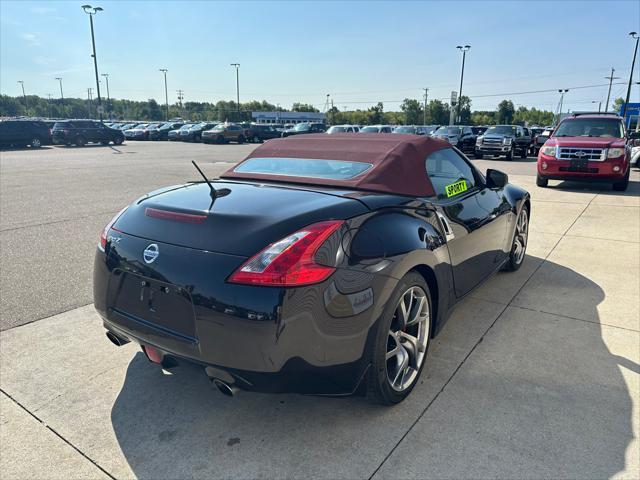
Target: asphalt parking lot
[{"x": 535, "y": 375}]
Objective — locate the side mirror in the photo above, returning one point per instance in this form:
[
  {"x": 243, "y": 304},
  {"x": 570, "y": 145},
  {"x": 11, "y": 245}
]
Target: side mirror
[{"x": 496, "y": 178}]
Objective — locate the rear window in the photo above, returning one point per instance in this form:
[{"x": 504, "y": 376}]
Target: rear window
[
  {"x": 591, "y": 127},
  {"x": 61, "y": 125},
  {"x": 304, "y": 167}
]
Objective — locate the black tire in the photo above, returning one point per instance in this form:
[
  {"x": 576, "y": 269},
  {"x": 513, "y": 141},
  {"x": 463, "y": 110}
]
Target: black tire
[
  {"x": 256, "y": 139},
  {"x": 105, "y": 142},
  {"x": 197, "y": 138},
  {"x": 622, "y": 185},
  {"x": 220, "y": 139},
  {"x": 523, "y": 153},
  {"x": 80, "y": 141},
  {"x": 478, "y": 156},
  {"x": 118, "y": 141},
  {"x": 520, "y": 236},
  {"x": 241, "y": 139},
  {"x": 378, "y": 381},
  {"x": 541, "y": 181},
  {"x": 35, "y": 142},
  {"x": 509, "y": 156}
]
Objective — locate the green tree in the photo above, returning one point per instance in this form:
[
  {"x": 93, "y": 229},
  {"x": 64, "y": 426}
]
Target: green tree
[
  {"x": 304, "y": 107},
  {"x": 438, "y": 113},
  {"x": 412, "y": 110},
  {"x": 505, "y": 112},
  {"x": 464, "y": 103},
  {"x": 617, "y": 105}
]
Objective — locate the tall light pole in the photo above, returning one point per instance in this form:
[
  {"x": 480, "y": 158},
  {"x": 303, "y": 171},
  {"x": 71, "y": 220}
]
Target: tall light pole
[
  {"x": 21, "y": 82},
  {"x": 237, "y": 65},
  {"x": 464, "y": 51},
  {"x": 611, "y": 78},
  {"x": 599, "y": 104},
  {"x": 562, "y": 91},
  {"x": 91, "y": 11},
  {"x": 166, "y": 95},
  {"x": 60, "y": 82},
  {"x": 424, "y": 113},
  {"x": 633, "y": 65},
  {"x": 106, "y": 77}
]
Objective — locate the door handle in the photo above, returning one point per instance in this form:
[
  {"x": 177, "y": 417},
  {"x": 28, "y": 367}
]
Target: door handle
[{"x": 448, "y": 232}]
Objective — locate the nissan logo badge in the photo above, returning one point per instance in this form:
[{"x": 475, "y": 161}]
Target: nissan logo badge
[{"x": 150, "y": 253}]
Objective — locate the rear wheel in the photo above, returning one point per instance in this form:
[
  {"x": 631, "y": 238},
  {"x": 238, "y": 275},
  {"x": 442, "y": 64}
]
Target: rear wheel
[
  {"x": 105, "y": 142},
  {"x": 35, "y": 142},
  {"x": 80, "y": 141},
  {"x": 241, "y": 139},
  {"x": 256, "y": 139},
  {"x": 541, "y": 181},
  {"x": 117, "y": 141},
  {"x": 402, "y": 341},
  {"x": 220, "y": 139},
  {"x": 519, "y": 243}
]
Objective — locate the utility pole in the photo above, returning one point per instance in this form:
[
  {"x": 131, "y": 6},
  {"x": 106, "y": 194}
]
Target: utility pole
[
  {"x": 633, "y": 65},
  {"x": 90, "y": 99},
  {"x": 26, "y": 110},
  {"x": 464, "y": 54},
  {"x": 91, "y": 11},
  {"x": 611, "y": 78},
  {"x": 106, "y": 76},
  {"x": 166, "y": 95},
  {"x": 180, "y": 97},
  {"x": 49, "y": 95},
  {"x": 237, "y": 65},
  {"x": 424, "y": 114}
]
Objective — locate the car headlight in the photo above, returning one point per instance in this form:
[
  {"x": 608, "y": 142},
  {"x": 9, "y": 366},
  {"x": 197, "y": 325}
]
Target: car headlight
[
  {"x": 548, "y": 151},
  {"x": 507, "y": 141},
  {"x": 615, "y": 152}
]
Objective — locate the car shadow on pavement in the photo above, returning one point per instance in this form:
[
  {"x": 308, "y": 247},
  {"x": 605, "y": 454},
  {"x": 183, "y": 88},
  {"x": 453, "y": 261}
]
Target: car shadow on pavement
[
  {"x": 574, "y": 419},
  {"x": 600, "y": 188}
]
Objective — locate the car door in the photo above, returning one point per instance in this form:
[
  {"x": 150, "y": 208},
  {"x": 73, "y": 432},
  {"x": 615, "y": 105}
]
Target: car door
[{"x": 474, "y": 218}]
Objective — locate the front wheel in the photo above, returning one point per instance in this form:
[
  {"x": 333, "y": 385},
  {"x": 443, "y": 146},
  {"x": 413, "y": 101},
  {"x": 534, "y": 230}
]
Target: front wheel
[
  {"x": 519, "y": 243},
  {"x": 80, "y": 141},
  {"x": 509, "y": 156},
  {"x": 256, "y": 139},
  {"x": 622, "y": 185},
  {"x": 541, "y": 181},
  {"x": 523, "y": 153},
  {"x": 35, "y": 142},
  {"x": 401, "y": 341},
  {"x": 241, "y": 139}
]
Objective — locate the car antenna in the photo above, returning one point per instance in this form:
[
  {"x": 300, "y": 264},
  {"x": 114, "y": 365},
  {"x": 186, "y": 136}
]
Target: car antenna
[{"x": 214, "y": 193}]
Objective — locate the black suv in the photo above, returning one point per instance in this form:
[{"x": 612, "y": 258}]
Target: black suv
[
  {"x": 162, "y": 132},
  {"x": 505, "y": 140},
  {"x": 258, "y": 132},
  {"x": 20, "y": 133},
  {"x": 303, "y": 128},
  {"x": 81, "y": 132},
  {"x": 460, "y": 136}
]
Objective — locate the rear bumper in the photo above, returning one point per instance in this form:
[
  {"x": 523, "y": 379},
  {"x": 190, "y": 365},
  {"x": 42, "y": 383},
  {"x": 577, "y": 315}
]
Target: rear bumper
[{"x": 267, "y": 339}]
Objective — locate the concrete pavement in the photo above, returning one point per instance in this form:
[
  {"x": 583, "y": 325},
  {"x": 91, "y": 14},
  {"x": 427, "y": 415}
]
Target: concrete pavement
[{"x": 535, "y": 375}]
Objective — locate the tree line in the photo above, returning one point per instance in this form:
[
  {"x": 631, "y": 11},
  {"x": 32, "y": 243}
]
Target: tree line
[{"x": 411, "y": 112}]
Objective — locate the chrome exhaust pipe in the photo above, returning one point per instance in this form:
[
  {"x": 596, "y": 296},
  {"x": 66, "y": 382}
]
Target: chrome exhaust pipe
[
  {"x": 117, "y": 340},
  {"x": 225, "y": 388}
]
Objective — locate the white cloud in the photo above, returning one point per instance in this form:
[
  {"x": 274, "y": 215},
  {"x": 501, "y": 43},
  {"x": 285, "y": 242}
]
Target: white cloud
[
  {"x": 42, "y": 10},
  {"x": 31, "y": 39}
]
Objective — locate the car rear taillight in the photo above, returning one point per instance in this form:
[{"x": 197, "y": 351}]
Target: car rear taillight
[
  {"x": 103, "y": 236},
  {"x": 289, "y": 262}
]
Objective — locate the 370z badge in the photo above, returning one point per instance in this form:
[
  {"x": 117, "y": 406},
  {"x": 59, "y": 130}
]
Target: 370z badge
[{"x": 150, "y": 253}]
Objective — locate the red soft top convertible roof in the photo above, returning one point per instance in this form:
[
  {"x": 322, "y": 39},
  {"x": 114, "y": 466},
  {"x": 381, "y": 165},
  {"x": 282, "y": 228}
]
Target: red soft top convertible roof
[{"x": 398, "y": 160}]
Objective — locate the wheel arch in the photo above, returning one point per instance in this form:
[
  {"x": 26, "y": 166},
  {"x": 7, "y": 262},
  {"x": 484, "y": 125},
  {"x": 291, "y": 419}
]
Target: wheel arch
[{"x": 429, "y": 276}]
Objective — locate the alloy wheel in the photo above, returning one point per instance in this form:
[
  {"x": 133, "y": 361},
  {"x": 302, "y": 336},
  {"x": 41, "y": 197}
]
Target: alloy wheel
[
  {"x": 407, "y": 339},
  {"x": 36, "y": 143},
  {"x": 520, "y": 238}
]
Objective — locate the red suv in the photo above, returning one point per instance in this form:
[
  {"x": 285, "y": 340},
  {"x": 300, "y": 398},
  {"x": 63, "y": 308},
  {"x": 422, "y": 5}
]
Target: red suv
[{"x": 588, "y": 147}]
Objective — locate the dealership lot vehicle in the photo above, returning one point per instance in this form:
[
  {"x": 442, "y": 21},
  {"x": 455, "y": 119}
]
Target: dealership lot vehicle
[
  {"x": 461, "y": 137},
  {"x": 162, "y": 131},
  {"x": 140, "y": 132},
  {"x": 304, "y": 128},
  {"x": 539, "y": 140},
  {"x": 224, "y": 133},
  {"x": 20, "y": 133},
  {"x": 175, "y": 135},
  {"x": 259, "y": 132},
  {"x": 376, "y": 129},
  {"x": 299, "y": 227},
  {"x": 343, "y": 129},
  {"x": 591, "y": 148},
  {"x": 194, "y": 133},
  {"x": 503, "y": 140},
  {"x": 81, "y": 132}
]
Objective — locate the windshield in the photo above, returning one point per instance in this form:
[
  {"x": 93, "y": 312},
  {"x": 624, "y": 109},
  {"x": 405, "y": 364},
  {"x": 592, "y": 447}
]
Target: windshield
[
  {"x": 448, "y": 131},
  {"x": 404, "y": 130},
  {"x": 369, "y": 130},
  {"x": 302, "y": 127},
  {"x": 590, "y": 127},
  {"x": 304, "y": 167},
  {"x": 337, "y": 129},
  {"x": 142, "y": 125},
  {"x": 187, "y": 126},
  {"x": 153, "y": 125},
  {"x": 501, "y": 130},
  {"x": 218, "y": 128}
]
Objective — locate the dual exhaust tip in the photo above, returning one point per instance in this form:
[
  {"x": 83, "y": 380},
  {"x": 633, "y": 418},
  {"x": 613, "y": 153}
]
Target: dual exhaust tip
[{"x": 225, "y": 388}]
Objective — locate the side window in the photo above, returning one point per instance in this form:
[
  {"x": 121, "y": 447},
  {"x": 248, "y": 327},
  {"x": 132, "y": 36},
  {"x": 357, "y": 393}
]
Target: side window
[{"x": 449, "y": 173}]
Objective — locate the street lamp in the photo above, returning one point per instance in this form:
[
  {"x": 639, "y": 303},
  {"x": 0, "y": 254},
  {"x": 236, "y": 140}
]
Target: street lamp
[
  {"x": 106, "y": 76},
  {"x": 60, "y": 81},
  {"x": 166, "y": 95},
  {"x": 91, "y": 11},
  {"x": 21, "y": 82},
  {"x": 633, "y": 65},
  {"x": 599, "y": 104},
  {"x": 611, "y": 78},
  {"x": 237, "y": 65},
  {"x": 562, "y": 91},
  {"x": 464, "y": 51}
]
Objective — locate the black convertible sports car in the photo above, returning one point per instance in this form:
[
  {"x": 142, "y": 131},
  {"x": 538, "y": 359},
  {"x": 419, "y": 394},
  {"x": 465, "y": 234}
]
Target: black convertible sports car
[{"x": 321, "y": 264}]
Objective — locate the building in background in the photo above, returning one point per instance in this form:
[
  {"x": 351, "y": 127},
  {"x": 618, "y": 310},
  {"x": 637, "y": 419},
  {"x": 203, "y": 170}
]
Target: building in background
[
  {"x": 630, "y": 115},
  {"x": 287, "y": 117}
]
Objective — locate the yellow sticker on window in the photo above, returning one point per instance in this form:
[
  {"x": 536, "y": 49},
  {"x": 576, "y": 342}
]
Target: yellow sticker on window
[{"x": 456, "y": 188}]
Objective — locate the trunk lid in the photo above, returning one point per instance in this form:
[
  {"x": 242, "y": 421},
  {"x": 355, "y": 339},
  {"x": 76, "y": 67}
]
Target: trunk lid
[{"x": 241, "y": 223}]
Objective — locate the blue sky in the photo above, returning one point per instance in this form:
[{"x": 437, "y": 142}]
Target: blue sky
[{"x": 359, "y": 52}]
